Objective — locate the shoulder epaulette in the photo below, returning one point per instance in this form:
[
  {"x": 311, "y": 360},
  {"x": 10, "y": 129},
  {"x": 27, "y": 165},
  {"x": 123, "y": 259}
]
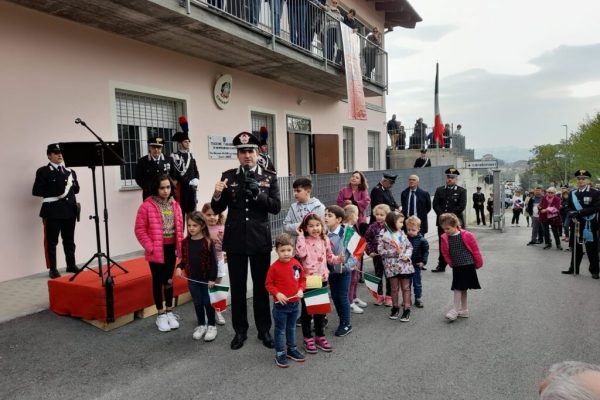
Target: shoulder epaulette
[{"x": 269, "y": 171}]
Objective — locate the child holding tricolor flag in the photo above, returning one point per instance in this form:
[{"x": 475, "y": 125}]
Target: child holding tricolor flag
[
  {"x": 339, "y": 274},
  {"x": 356, "y": 245},
  {"x": 396, "y": 250},
  {"x": 373, "y": 236},
  {"x": 286, "y": 283},
  {"x": 216, "y": 228},
  {"x": 199, "y": 263},
  {"x": 314, "y": 251}
]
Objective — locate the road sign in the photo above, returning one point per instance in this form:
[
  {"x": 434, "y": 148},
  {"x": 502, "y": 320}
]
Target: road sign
[{"x": 481, "y": 164}]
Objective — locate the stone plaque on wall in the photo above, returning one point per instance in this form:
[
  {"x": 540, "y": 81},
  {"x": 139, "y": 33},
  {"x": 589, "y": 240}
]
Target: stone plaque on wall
[{"x": 221, "y": 148}]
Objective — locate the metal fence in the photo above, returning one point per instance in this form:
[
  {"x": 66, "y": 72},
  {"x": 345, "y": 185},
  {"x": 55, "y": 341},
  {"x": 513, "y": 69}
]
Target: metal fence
[
  {"x": 327, "y": 186},
  {"x": 304, "y": 25}
]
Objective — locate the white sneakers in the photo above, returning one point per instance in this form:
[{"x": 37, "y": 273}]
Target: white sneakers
[
  {"x": 219, "y": 317},
  {"x": 452, "y": 315},
  {"x": 199, "y": 332},
  {"x": 172, "y": 319},
  {"x": 211, "y": 334},
  {"x": 463, "y": 313},
  {"x": 356, "y": 309},
  {"x": 360, "y": 303},
  {"x": 208, "y": 332},
  {"x": 163, "y": 323}
]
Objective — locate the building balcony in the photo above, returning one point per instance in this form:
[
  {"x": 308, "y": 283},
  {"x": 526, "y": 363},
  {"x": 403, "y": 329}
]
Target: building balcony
[{"x": 293, "y": 42}]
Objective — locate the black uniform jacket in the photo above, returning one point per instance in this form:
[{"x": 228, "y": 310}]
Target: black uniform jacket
[
  {"x": 478, "y": 200},
  {"x": 146, "y": 169},
  {"x": 247, "y": 229},
  {"x": 49, "y": 182},
  {"x": 450, "y": 200},
  {"x": 590, "y": 203},
  {"x": 187, "y": 199},
  {"x": 381, "y": 195}
]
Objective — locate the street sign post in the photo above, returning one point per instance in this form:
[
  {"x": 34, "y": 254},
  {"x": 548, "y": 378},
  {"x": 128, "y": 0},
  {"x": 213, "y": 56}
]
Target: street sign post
[{"x": 481, "y": 164}]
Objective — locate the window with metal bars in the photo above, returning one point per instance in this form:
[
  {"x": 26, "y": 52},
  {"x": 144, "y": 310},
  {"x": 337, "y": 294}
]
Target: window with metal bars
[
  {"x": 139, "y": 117},
  {"x": 373, "y": 150},
  {"x": 267, "y": 120},
  {"x": 348, "y": 149}
]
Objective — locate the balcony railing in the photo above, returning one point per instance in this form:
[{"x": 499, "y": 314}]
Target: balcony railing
[{"x": 306, "y": 26}]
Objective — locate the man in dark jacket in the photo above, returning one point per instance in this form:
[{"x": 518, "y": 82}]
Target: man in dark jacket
[
  {"x": 185, "y": 172},
  {"x": 58, "y": 186},
  {"x": 416, "y": 201},
  {"x": 479, "y": 205},
  {"x": 422, "y": 161},
  {"x": 250, "y": 193},
  {"x": 382, "y": 194},
  {"x": 151, "y": 166},
  {"x": 449, "y": 198}
]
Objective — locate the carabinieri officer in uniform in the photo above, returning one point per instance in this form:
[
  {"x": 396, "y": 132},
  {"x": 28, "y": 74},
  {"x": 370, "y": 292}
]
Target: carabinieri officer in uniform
[
  {"x": 251, "y": 193},
  {"x": 185, "y": 172},
  {"x": 584, "y": 206},
  {"x": 449, "y": 198},
  {"x": 58, "y": 186},
  {"x": 151, "y": 166}
]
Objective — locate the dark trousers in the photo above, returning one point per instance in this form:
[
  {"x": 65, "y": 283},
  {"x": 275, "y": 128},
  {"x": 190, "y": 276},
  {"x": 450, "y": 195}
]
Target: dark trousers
[
  {"x": 537, "y": 230},
  {"x": 591, "y": 248},
  {"x": 284, "y": 332},
  {"x": 441, "y": 260},
  {"x": 306, "y": 318},
  {"x": 555, "y": 231},
  {"x": 204, "y": 311},
  {"x": 162, "y": 278},
  {"x": 66, "y": 229},
  {"x": 480, "y": 215},
  {"x": 515, "y": 218},
  {"x": 379, "y": 272},
  {"x": 339, "y": 285},
  {"x": 238, "y": 276},
  {"x": 491, "y": 213}
]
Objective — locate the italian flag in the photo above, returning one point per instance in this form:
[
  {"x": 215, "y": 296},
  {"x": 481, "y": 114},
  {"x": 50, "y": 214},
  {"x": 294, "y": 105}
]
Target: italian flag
[
  {"x": 218, "y": 297},
  {"x": 438, "y": 126},
  {"x": 354, "y": 242},
  {"x": 317, "y": 301},
  {"x": 372, "y": 282}
]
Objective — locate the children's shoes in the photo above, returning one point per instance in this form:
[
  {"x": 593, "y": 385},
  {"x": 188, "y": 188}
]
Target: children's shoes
[
  {"x": 463, "y": 313},
  {"x": 388, "y": 301},
  {"x": 309, "y": 346},
  {"x": 452, "y": 315},
  {"x": 380, "y": 300},
  {"x": 323, "y": 344}
]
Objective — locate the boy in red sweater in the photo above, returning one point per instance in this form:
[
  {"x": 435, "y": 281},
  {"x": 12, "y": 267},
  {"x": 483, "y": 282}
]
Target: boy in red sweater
[{"x": 286, "y": 283}]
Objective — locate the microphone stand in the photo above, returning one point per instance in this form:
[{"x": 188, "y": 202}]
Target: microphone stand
[{"x": 107, "y": 282}]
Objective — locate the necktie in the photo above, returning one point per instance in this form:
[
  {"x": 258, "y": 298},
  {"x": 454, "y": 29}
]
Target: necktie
[{"x": 411, "y": 208}]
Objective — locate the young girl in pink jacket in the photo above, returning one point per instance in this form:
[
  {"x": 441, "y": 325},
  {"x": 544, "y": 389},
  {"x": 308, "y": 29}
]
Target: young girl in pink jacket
[
  {"x": 461, "y": 252},
  {"x": 314, "y": 251},
  {"x": 159, "y": 229}
]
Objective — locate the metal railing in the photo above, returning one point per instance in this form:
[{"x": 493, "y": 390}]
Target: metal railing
[
  {"x": 306, "y": 26},
  {"x": 327, "y": 186}
]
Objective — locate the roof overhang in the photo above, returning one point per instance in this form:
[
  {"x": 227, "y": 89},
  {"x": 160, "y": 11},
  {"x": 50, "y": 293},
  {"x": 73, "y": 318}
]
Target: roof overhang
[{"x": 398, "y": 13}]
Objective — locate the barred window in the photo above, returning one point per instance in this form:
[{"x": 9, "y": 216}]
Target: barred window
[
  {"x": 373, "y": 151},
  {"x": 348, "y": 149},
  {"x": 267, "y": 120},
  {"x": 139, "y": 117}
]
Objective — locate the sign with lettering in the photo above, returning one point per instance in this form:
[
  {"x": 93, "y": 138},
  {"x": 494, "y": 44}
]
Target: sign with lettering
[
  {"x": 221, "y": 148},
  {"x": 481, "y": 164}
]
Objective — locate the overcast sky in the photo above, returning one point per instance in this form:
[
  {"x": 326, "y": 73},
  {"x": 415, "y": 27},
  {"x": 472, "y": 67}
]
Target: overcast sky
[{"x": 511, "y": 72}]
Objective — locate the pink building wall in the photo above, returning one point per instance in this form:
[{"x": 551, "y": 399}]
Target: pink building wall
[{"x": 54, "y": 71}]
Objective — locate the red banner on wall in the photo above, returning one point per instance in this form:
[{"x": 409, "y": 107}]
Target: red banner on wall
[{"x": 354, "y": 82}]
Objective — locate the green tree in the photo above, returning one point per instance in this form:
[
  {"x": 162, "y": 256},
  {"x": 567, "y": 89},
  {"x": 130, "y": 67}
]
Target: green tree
[
  {"x": 584, "y": 147},
  {"x": 548, "y": 162}
]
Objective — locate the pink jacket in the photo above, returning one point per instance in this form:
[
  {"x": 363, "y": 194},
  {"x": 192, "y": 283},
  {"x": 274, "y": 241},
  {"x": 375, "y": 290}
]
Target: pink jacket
[
  {"x": 361, "y": 197},
  {"x": 314, "y": 255},
  {"x": 471, "y": 244},
  {"x": 149, "y": 230},
  {"x": 552, "y": 207}
]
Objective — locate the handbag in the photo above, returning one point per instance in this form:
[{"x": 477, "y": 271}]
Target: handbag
[{"x": 314, "y": 282}]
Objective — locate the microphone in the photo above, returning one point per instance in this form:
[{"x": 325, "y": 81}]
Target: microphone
[{"x": 79, "y": 121}]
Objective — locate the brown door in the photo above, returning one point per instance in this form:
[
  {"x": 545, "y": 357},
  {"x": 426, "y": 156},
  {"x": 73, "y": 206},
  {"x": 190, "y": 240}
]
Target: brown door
[
  {"x": 292, "y": 153},
  {"x": 327, "y": 154}
]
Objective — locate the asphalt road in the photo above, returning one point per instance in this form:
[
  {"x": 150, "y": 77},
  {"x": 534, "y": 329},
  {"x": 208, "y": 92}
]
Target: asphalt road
[{"x": 526, "y": 317}]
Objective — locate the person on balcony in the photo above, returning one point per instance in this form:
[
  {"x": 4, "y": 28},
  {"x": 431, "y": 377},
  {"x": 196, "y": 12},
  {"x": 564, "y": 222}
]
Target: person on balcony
[
  {"x": 419, "y": 137},
  {"x": 447, "y": 136},
  {"x": 298, "y": 18},
  {"x": 350, "y": 20},
  {"x": 392, "y": 130},
  {"x": 371, "y": 51},
  {"x": 334, "y": 36}
]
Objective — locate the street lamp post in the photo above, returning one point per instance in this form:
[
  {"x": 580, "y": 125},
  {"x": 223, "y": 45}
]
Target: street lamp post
[{"x": 565, "y": 150}]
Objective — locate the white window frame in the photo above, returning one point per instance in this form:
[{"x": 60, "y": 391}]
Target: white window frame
[
  {"x": 348, "y": 148},
  {"x": 373, "y": 150}
]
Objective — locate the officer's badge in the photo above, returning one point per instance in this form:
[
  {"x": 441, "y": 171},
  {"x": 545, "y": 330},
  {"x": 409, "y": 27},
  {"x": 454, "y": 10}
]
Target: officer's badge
[{"x": 244, "y": 138}]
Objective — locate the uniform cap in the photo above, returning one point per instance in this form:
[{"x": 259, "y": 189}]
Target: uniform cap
[
  {"x": 246, "y": 140},
  {"x": 156, "y": 141},
  {"x": 180, "y": 137},
  {"x": 583, "y": 172},
  {"x": 53, "y": 148},
  {"x": 452, "y": 172},
  {"x": 390, "y": 177}
]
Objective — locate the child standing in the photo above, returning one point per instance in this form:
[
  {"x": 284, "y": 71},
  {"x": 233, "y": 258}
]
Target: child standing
[
  {"x": 314, "y": 251},
  {"x": 216, "y": 228},
  {"x": 419, "y": 256},
  {"x": 396, "y": 250},
  {"x": 351, "y": 219},
  {"x": 339, "y": 274},
  {"x": 461, "y": 252},
  {"x": 199, "y": 262},
  {"x": 159, "y": 229},
  {"x": 372, "y": 236},
  {"x": 304, "y": 205},
  {"x": 286, "y": 283}
]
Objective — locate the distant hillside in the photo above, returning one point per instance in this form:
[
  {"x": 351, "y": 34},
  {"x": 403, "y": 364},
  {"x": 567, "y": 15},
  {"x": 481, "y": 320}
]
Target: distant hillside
[{"x": 506, "y": 153}]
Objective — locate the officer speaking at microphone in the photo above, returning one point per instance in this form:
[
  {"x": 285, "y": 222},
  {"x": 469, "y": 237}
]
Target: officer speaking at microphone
[
  {"x": 250, "y": 193},
  {"x": 449, "y": 198},
  {"x": 57, "y": 185}
]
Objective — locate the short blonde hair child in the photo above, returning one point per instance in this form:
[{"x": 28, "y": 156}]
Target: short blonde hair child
[
  {"x": 350, "y": 211},
  {"x": 413, "y": 221},
  {"x": 449, "y": 219},
  {"x": 383, "y": 207}
]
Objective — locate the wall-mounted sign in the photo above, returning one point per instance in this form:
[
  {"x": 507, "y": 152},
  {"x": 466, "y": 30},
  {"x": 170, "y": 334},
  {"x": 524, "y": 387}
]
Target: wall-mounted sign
[
  {"x": 221, "y": 148},
  {"x": 481, "y": 164},
  {"x": 222, "y": 91}
]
